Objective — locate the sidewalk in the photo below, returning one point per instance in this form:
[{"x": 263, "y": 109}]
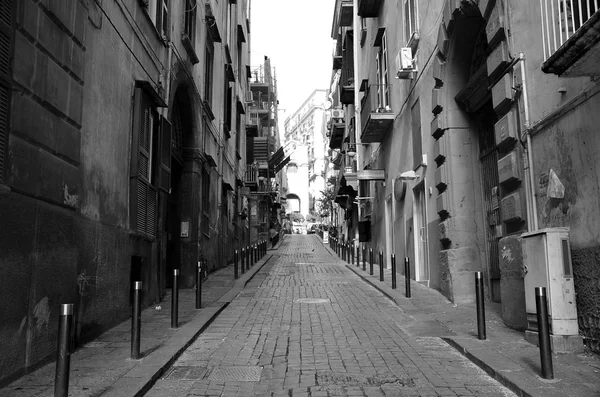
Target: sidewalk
[
  {"x": 505, "y": 355},
  {"x": 104, "y": 368}
]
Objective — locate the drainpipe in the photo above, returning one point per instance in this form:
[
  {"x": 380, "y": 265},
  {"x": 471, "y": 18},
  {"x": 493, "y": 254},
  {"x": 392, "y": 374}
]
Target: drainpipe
[
  {"x": 532, "y": 196},
  {"x": 357, "y": 105}
]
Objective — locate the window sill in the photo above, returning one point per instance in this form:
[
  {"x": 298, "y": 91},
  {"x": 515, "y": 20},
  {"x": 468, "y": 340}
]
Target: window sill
[
  {"x": 4, "y": 190},
  {"x": 141, "y": 236}
]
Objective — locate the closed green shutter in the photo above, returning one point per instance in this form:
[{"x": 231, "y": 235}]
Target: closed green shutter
[
  {"x": 143, "y": 195},
  {"x": 165, "y": 155},
  {"x": 6, "y": 49}
]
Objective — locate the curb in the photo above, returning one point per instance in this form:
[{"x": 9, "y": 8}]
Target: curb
[
  {"x": 188, "y": 332},
  {"x": 509, "y": 377}
]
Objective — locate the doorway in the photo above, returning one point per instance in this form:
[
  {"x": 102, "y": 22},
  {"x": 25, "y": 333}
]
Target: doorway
[
  {"x": 389, "y": 232},
  {"x": 483, "y": 122},
  {"x": 420, "y": 236}
]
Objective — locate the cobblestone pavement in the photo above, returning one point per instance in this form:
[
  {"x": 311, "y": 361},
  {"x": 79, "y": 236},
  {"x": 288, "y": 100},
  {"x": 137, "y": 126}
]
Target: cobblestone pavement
[{"x": 308, "y": 326}]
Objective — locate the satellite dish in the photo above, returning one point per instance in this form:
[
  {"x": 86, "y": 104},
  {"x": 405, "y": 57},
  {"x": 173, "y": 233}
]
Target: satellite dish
[{"x": 327, "y": 105}]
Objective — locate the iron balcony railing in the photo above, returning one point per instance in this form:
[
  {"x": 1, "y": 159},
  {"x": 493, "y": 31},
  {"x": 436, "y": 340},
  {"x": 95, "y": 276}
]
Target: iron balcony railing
[
  {"x": 251, "y": 174},
  {"x": 561, "y": 19}
]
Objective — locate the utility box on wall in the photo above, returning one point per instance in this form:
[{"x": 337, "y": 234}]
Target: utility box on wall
[{"x": 547, "y": 260}]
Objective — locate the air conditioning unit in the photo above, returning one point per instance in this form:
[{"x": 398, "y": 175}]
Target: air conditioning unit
[
  {"x": 337, "y": 114},
  {"x": 405, "y": 64},
  {"x": 249, "y": 98}
]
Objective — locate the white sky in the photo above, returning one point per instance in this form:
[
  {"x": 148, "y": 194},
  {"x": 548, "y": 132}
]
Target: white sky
[{"x": 296, "y": 36}]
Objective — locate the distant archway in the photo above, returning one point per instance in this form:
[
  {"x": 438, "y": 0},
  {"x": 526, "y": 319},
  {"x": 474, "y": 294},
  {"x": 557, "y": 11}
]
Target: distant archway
[{"x": 294, "y": 204}]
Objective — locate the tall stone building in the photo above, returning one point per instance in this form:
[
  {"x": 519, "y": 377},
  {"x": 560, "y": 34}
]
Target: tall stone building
[
  {"x": 473, "y": 124},
  {"x": 122, "y": 154},
  {"x": 305, "y": 136}
]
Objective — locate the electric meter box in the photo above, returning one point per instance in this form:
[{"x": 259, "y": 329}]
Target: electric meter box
[{"x": 547, "y": 260}]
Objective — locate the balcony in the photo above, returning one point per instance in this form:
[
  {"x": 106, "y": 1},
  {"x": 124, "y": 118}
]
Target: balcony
[
  {"x": 571, "y": 37},
  {"x": 369, "y": 8},
  {"x": 376, "y": 113},
  {"x": 252, "y": 125},
  {"x": 261, "y": 80},
  {"x": 337, "y": 128},
  {"x": 251, "y": 178},
  {"x": 346, "y": 13},
  {"x": 347, "y": 88}
]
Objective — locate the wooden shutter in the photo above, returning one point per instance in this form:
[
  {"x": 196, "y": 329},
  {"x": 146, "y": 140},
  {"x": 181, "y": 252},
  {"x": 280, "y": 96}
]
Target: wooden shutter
[
  {"x": 416, "y": 134},
  {"x": 6, "y": 49},
  {"x": 143, "y": 198},
  {"x": 164, "y": 181}
]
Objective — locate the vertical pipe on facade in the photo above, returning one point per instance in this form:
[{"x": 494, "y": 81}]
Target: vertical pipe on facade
[
  {"x": 357, "y": 105},
  {"x": 529, "y": 147}
]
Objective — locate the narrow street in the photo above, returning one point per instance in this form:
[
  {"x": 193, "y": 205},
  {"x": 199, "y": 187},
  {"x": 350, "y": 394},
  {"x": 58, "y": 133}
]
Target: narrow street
[{"x": 308, "y": 326}]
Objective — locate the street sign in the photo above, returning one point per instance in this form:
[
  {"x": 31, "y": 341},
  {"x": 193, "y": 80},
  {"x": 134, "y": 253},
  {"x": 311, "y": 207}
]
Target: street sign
[
  {"x": 371, "y": 175},
  {"x": 325, "y": 237}
]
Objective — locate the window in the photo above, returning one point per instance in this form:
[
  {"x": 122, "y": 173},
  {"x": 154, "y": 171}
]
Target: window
[
  {"x": 208, "y": 68},
  {"x": 205, "y": 203},
  {"x": 190, "y": 19},
  {"x": 158, "y": 10},
  {"x": 6, "y": 49},
  {"x": 238, "y": 129},
  {"x": 227, "y": 105},
  {"x": 415, "y": 114},
  {"x": 383, "y": 88},
  {"x": 150, "y": 163},
  {"x": 411, "y": 19},
  {"x": 239, "y": 61}
]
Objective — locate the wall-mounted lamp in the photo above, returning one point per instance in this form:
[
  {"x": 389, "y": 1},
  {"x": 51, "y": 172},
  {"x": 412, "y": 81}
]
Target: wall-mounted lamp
[{"x": 408, "y": 176}]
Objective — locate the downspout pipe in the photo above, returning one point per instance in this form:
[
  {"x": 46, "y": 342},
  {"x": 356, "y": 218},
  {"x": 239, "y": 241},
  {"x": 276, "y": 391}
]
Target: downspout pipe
[{"x": 535, "y": 224}]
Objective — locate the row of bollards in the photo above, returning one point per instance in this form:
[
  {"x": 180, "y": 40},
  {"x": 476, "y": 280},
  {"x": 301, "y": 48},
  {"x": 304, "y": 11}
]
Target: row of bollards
[
  {"x": 247, "y": 257},
  {"x": 345, "y": 250},
  {"x": 250, "y": 255}
]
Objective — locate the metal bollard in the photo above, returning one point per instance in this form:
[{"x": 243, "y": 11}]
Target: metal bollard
[
  {"x": 136, "y": 320},
  {"x": 175, "y": 298},
  {"x": 371, "y": 261},
  {"x": 380, "y": 265},
  {"x": 348, "y": 252},
  {"x": 357, "y": 256},
  {"x": 247, "y": 257},
  {"x": 407, "y": 276},
  {"x": 352, "y": 254},
  {"x": 199, "y": 286},
  {"x": 480, "y": 300},
  {"x": 241, "y": 258},
  {"x": 541, "y": 308},
  {"x": 255, "y": 253},
  {"x": 63, "y": 353},
  {"x": 235, "y": 265},
  {"x": 364, "y": 252},
  {"x": 393, "y": 271}
]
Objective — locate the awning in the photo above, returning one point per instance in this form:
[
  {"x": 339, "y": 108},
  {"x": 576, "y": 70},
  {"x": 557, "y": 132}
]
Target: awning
[
  {"x": 276, "y": 157},
  {"x": 227, "y": 186},
  {"x": 282, "y": 164}
]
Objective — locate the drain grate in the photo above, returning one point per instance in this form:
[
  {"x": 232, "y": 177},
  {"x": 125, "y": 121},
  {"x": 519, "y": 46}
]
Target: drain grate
[
  {"x": 311, "y": 300},
  {"x": 186, "y": 373},
  {"x": 239, "y": 374}
]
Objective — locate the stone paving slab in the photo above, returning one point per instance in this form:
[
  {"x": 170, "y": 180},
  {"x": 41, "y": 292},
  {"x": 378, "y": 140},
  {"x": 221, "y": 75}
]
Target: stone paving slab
[
  {"x": 103, "y": 367},
  {"x": 504, "y": 354}
]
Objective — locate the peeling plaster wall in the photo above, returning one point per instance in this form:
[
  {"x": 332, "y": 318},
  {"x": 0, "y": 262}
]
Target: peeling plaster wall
[{"x": 570, "y": 148}]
